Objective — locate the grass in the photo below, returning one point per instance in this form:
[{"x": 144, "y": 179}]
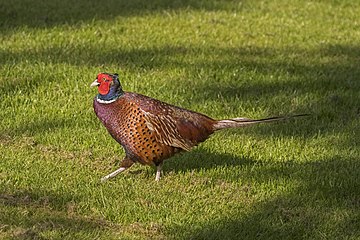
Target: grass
[{"x": 292, "y": 180}]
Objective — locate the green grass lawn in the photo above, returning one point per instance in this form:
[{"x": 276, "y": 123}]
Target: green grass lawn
[{"x": 298, "y": 179}]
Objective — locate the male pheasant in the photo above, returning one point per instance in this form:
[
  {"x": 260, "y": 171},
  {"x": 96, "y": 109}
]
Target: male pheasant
[{"x": 149, "y": 130}]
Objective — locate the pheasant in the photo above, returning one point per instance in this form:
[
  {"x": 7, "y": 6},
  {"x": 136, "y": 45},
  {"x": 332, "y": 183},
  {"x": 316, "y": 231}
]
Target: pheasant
[{"x": 151, "y": 131}]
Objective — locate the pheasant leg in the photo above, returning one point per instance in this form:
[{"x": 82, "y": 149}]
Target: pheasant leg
[
  {"x": 158, "y": 172},
  {"x": 125, "y": 164}
]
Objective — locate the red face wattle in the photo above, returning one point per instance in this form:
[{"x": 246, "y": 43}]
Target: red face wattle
[{"x": 105, "y": 81}]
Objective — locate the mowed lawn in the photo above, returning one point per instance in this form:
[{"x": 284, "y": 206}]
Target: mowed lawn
[{"x": 298, "y": 179}]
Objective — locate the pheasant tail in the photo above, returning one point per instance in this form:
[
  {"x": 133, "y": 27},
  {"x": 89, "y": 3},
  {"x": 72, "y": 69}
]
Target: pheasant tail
[{"x": 242, "y": 122}]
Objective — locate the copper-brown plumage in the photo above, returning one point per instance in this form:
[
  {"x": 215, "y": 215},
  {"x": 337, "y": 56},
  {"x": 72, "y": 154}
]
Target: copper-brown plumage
[{"x": 150, "y": 130}]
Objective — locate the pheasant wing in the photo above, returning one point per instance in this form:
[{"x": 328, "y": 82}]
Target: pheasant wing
[
  {"x": 174, "y": 126},
  {"x": 168, "y": 130}
]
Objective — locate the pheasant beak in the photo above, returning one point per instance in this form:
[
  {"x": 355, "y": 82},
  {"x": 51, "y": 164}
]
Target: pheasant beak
[{"x": 95, "y": 83}]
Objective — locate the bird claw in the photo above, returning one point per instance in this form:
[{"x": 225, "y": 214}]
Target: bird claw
[{"x": 103, "y": 179}]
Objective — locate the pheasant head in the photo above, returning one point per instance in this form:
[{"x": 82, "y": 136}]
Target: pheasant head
[{"x": 109, "y": 87}]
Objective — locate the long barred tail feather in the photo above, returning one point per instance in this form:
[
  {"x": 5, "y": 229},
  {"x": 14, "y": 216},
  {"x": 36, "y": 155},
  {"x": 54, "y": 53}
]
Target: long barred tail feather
[{"x": 242, "y": 122}]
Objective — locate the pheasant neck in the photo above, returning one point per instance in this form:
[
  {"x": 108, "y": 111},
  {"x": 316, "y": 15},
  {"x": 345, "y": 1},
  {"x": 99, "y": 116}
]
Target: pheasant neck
[{"x": 110, "y": 97}]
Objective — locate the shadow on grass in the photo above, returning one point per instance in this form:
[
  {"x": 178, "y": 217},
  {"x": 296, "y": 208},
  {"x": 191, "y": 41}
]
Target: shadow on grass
[
  {"x": 324, "y": 205},
  {"x": 42, "y": 14},
  {"x": 338, "y": 73},
  {"x": 39, "y": 126},
  {"x": 52, "y": 13},
  {"x": 31, "y": 215},
  {"x": 201, "y": 159}
]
